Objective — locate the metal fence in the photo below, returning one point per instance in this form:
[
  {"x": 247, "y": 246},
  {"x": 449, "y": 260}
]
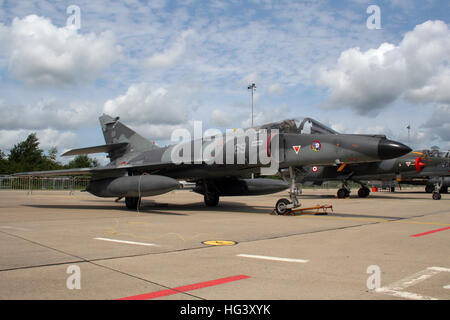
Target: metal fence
[{"x": 43, "y": 183}]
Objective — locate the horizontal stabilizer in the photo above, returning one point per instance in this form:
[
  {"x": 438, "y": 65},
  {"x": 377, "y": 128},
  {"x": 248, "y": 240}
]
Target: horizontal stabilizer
[{"x": 96, "y": 149}]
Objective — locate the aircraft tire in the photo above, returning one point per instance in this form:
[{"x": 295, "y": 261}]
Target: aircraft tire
[
  {"x": 363, "y": 192},
  {"x": 436, "y": 196},
  {"x": 342, "y": 193},
  {"x": 132, "y": 202},
  {"x": 281, "y": 208},
  {"x": 211, "y": 200}
]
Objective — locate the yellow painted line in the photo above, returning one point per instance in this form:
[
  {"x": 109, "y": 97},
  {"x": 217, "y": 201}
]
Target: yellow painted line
[
  {"x": 219, "y": 243},
  {"x": 378, "y": 220},
  {"x": 419, "y": 222},
  {"x": 344, "y": 218}
]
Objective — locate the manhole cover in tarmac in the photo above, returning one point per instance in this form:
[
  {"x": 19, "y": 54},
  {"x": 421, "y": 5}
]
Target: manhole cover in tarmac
[{"x": 219, "y": 243}]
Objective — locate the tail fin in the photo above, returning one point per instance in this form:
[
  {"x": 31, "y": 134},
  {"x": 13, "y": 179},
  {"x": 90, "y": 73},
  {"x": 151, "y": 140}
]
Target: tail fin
[{"x": 116, "y": 132}]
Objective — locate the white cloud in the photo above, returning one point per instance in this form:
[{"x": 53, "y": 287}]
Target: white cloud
[
  {"x": 276, "y": 89},
  {"x": 439, "y": 123},
  {"x": 48, "y": 138},
  {"x": 221, "y": 118},
  {"x": 171, "y": 55},
  {"x": 41, "y": 53},
  {"x": 143, "y": 103},
  {"x": 418, "y": 68},
  {"x": 265, "y": 116},
  {"x": 47, "y": 114}
]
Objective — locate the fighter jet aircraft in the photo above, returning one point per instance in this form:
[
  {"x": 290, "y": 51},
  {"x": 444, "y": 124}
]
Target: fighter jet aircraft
[
  {"x": 414, "y": 167},
  {"x": 138, "y": 168},
  {"x": 435, "y": 173}
]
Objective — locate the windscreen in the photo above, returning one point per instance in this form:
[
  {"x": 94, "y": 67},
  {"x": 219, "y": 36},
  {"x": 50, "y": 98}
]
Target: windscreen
[{"x": 302, "y": 125}]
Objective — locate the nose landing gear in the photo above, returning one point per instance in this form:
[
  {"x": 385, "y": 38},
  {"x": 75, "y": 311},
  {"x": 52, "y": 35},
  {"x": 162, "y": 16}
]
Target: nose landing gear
[
  {"x": 285, "y": 206},
  {"x": 437, "y": 188}
]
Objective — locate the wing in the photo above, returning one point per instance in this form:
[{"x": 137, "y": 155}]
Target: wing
[
  {"x": 97, "y": 149},
  {"x": 97, "y": 170},
  {"x": 64, "y": 172}
]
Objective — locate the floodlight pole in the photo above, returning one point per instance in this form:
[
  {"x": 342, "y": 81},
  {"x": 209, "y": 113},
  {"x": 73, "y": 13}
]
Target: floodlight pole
[
  {"x": 409, "y": 128},
  {"x": 253, "y": 88}
]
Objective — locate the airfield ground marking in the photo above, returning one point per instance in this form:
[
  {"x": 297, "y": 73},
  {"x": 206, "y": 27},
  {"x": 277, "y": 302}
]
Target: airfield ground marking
[
  {"x": 195, "y": 286},
  {"x": 128, "y": 242},
  {"x": 429, "y": 232},
  {"x": 376, "y": 220},
  {"x": 14, "y": 228},
  {"x": 272, "y": 258},
  {"x": 397, "y": 288}
]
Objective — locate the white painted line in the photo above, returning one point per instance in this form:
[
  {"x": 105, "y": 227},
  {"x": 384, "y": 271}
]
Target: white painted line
[
  {"x": 14, "y": 228},
  {"x": 272, "y": 258},
  {"x": 129, "y": 242},
  {"x": 404, "y": 294},
  {"x": 440, "y": 269},
  {"x": 396, "y": 288}
]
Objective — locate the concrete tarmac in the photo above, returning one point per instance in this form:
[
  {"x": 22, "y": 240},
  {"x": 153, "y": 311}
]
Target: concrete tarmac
[{"x": 387, "y": 246}]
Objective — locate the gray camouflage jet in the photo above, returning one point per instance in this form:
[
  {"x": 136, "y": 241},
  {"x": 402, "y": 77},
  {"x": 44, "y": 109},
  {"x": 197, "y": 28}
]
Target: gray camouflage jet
[
  {"x": 139, "y": 168},
  {"x": 413, "y": 168},
  {"x": 435, "y": 173}
]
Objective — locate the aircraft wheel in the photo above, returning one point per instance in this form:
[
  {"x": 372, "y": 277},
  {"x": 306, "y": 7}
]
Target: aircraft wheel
[
  {"x": 429, "y": 189},
  {"x": 211, "y": 200},
  {"x": 281, "y": 206},
  {"x": 436, "y": 196},
  {"x": 363, "y": 192},
  {"x": 343, "y": 193},
  {"x": 132, "y": 202}
]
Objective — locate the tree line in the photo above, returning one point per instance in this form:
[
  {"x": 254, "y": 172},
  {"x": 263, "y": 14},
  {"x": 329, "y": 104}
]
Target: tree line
[{"x": 27, "y": 156}]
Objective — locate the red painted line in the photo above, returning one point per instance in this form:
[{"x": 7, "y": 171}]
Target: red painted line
[
  {"x": 430, "y": 232},
  {"x": 168, "y": 292}
]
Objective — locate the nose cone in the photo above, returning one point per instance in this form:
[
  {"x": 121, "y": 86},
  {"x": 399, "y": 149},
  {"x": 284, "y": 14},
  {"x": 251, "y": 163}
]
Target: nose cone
[{"x": 389, "y": 149}]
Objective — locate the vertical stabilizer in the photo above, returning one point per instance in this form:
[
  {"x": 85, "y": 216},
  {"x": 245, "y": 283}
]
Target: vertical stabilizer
[{"x": 116, "y": 132}]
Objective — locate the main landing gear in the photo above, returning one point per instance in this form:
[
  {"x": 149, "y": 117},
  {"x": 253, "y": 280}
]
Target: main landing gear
[
  {"x": 211, "y": 199},
  {"x": 363, "y": 192},
  {"x": 285, "y": 206},
  {"x": 211, "y": 195},
  {"x": 344, "y": 192},
  {"x": 132, "y": 203}
]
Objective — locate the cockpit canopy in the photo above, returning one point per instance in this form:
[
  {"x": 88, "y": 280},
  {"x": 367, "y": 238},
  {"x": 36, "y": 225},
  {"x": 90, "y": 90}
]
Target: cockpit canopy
[
  {"x": 301, "y": 125},
  {"x": 435, "y": 153}
]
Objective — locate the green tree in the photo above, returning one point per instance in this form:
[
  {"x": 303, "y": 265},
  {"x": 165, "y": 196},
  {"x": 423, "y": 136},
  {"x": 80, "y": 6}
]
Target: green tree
[
  {"x": 26, "y": 155},
  {"x": 52, "y": 153},
  {"x": 82, "y": 161},
  {"x": 50, "y": 162},
  {"x": 4, "y": 163}
]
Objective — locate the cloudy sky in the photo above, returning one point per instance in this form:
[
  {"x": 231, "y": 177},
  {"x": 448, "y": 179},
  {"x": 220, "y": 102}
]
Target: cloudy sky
[{"x": 161, "y": 64}]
